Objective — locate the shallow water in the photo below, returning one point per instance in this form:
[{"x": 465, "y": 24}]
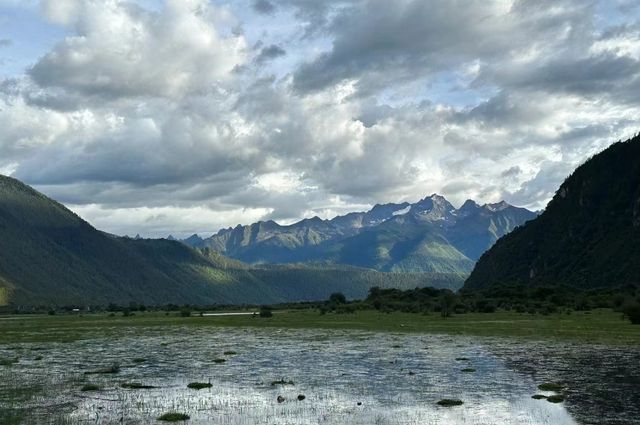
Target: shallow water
[{"x": 348, "y": 377}]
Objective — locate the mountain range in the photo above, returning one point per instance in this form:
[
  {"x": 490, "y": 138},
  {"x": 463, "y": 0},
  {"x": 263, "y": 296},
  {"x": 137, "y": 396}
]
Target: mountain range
[
  {"x": 50, "y": 256},
  {"x": 430, "y": 235},
  {"x": 588, "y": 237}
]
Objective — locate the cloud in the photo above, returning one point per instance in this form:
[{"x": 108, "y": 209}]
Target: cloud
[
  {"x": 121, "y": 50},
  {"x": 158, "y": 120},
  {"x": 269, "y": 53},
  {"x": 5, "y": 42},
  {"x": 264, "y": 7}
]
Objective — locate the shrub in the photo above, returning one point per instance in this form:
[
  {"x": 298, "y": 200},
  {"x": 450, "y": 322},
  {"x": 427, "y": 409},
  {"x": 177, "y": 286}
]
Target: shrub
[
  {"x": 185, "y": 312},
  {"x": 265, "y": 311},
  {"x": 337, "y": 298},
  {"x": 631, "y": 311}
]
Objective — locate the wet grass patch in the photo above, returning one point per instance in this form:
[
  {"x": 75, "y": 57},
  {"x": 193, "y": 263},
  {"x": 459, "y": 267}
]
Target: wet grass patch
[
  {"x": 552, "y": 386},
  {"x": 174, "y": 417},
  {"x": 450, "y": 402},
  {"x": 136, "y": 386},
  {"x": 281, "y": 382},
  {"x": 90, "y": 387},
  {"x": 199, "y": 385},
  {"x": 557, "y": 398},
  {"x": 219, "y": 361},
  {"x": 114, "y": 368},
  {"x": 468, "y": 370},
  {"x": 9, "y": 361}
]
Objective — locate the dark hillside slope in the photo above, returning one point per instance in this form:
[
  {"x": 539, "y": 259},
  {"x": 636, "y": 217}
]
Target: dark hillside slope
[
  {"x": 588, "y": 236},
  {"x": 49, "y": 256}
]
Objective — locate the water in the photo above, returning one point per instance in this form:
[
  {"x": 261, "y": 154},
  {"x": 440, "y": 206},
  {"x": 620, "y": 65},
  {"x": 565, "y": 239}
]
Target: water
[{"x": 347, "y": 377}]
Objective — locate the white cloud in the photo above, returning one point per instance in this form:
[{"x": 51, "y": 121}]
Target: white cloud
[
  {"x": 121, "y": 50},
  {"x": 161, "y": 120}
]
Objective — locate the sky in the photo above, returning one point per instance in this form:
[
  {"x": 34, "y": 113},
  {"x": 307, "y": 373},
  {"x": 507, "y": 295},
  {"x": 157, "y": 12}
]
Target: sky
[{"x": 186, "y": 116}]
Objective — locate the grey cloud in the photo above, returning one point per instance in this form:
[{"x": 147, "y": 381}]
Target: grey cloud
[
  {"x": 381, "y": 42},
  {"x": 263, "y": 6},
  {"x": 511, "y": 172},
  {"x": 269, "y": 53},
  {"x": 5, "y": 42}
]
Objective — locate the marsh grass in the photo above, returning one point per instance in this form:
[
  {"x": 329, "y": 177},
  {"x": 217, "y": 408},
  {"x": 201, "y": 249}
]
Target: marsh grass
[
  {"x": 136, "y": 386},
  {"x": 90, "y": 387},
  {"x": 199, "y": 385},
  {"x": 468, "y": 370},
  {"x": 219, "y": 360},
  {"x": 139, "y": 360},
  {"x": 9, "y": 361},
  {"x": 538, "y": 397},
  {"x": 174, "y": 417},
  {"x": 114, "y": 368},
  {"x": 281, "y": 382},
  {"x": 230, "y": 353},
  {"x": 450, "y": 402},
  {"x": 557, "y": 398},
  {"x": 552, "y": 386}
]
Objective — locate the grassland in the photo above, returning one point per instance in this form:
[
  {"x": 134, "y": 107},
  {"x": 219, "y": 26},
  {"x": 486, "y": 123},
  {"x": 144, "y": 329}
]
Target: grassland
[{"x": 597, "y": 326}]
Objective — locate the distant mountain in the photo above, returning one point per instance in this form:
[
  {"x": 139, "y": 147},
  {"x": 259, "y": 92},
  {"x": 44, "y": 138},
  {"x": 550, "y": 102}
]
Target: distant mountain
[
  {"x": 428, "y": 236},
  {"x": 50, "y": 256},
  {"x": 587, "y": 237}
]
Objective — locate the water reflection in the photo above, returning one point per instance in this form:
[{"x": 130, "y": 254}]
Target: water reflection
[{"x": 347, "y": 377}]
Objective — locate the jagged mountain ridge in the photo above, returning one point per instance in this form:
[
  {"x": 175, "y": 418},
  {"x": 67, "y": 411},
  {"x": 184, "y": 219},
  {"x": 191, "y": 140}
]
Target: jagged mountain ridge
[
  {"x": 50, "y": 256},
  {"x": 430, "y": 235}
]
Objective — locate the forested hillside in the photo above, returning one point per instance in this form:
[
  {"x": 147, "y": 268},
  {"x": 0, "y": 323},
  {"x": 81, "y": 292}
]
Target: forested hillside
[{"x": 588, "y": 236}]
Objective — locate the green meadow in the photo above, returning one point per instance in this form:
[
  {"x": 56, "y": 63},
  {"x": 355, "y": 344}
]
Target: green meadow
[{"x": 596, "y": 326}]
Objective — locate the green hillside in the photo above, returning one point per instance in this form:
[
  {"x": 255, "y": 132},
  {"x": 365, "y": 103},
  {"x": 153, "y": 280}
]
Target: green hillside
[
  {"x": 588, "y": 236},
  {"x": 49, "y": 256}
]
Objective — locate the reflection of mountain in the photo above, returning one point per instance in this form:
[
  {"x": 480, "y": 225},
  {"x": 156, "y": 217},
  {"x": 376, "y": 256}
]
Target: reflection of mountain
[{"x": 430, "y": 235}]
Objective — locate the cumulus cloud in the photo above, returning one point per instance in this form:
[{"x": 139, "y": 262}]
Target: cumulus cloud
[
  {"x": 158, "y": 120},
  {"x": 121, "y": 50}
]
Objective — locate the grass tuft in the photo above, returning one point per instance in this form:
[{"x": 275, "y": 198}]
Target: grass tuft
[
  {"x": 174, "y": 417},
  {"x": 136, "y": 386},
  {"x": 90, "y": 387},
  {"x": 557, "y": 398},
  {"x": 449, "y": 402},
  {"x": 552, "y": 386},
  {"x": 199, "y": 385},
  {"x": 114, "y": 368},
  {"x": 281, "y": 382}
]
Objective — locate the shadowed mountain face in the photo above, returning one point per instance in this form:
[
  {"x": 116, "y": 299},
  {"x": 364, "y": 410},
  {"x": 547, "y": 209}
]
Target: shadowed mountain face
[
  {"x": 588, "y": 236},
  {"x": 50, "y": 256},
  {"x": 428, "y": 236}
]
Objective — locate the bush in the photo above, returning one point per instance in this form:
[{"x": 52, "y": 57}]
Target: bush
[
  {"x": 337, "y": 298},
  {"x": 265, "y": 311},
  {"x": 631, "y": 311},
  {"x": 185, "y": 312}
]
